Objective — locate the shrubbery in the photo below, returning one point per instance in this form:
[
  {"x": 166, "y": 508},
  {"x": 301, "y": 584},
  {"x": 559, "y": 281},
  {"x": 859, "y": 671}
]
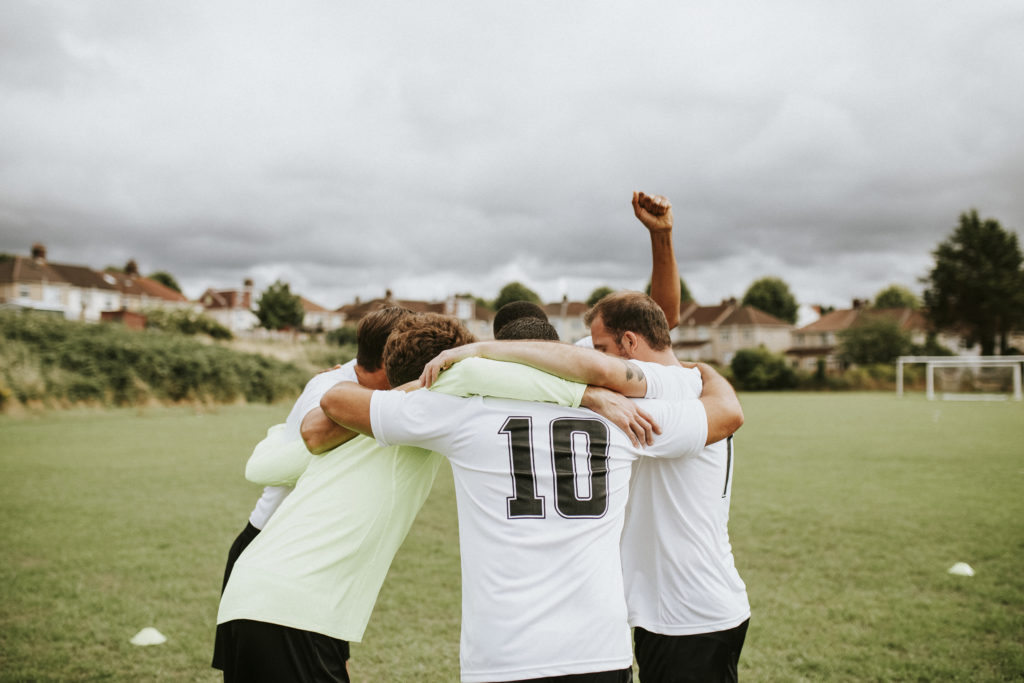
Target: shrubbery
[
  {"x": 185, "y": 322},
  {"x": 759, "y": 369},
  {"x": 52, "y": 360}
]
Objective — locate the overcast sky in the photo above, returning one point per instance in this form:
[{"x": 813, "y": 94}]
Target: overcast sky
[{"x": 441, "y": 147}]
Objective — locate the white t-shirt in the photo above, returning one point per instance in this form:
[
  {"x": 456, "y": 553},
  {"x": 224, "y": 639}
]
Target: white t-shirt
[
  {"x": 542, "y": 587},
  {"x": 273, "y": 496},
  {"x": 677, "y": 561}
]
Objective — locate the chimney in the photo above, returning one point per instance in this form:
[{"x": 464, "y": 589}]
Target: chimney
[
  {"x": 247, "y": 301},
  {"x": 387, "y": 294},
  {"x": 39, "y": 253},
  {"x": 131, "y": 269},
  {"x": 857, "y": 303}
]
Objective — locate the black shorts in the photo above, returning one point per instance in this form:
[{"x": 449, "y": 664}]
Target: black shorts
[
  {"x": 257, "y": 652},
  {"x": 241, "y": 543},
  {"x": 698, "y": 658},
  {"x": 620, "y": 676}
]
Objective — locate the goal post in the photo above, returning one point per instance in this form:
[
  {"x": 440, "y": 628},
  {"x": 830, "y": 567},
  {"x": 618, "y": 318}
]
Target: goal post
[{"x": 972, "y": 364}]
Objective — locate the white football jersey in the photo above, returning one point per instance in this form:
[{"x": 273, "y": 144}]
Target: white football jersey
[
  {"x": 677, "y": 562},
  {"x": 541, "y": 493},
  {"x": 273, "y": 496}
]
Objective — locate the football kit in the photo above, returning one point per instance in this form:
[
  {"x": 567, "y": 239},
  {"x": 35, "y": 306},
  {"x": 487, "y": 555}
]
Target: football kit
[{"x": 541, "y": 494}]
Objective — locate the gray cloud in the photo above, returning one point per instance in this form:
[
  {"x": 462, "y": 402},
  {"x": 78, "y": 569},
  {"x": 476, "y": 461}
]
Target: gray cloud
[{"x": 455, "y": 146}]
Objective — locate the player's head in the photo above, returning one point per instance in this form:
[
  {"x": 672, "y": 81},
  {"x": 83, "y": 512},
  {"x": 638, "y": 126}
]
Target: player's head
[
  {"x": 514, "y": 310},
  {"x": 416, "y": 340},
  {"x": 372, "y": 334},
  {"x": 528, "y": 329},
  {"x": 634, "y": 313}
]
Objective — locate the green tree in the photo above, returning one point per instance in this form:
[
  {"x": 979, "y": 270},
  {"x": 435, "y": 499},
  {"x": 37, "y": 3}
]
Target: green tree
[
  {"x": 977, "y": 282},
  {"x": 684, "y": 291},
  {"x": 515, "y": 291},
  {"x": 278, "y": 308},
  {"x": 760, "y": 369},
  {"x": 772, "y": 295},
  {"x": 878, "y": 340},
  {"x": 166, "y": 279},
  {"x": 896, "y": 296},
  {"x": 600, "y": 293}
]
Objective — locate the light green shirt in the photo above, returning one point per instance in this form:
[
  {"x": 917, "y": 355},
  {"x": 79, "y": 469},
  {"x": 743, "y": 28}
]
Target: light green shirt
[{"x": 319, "y": 563}]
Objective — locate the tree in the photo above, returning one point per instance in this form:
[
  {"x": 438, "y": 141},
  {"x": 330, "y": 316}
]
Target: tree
[
  {"x": 772, "y": 295},
  {"x": 878, "y": 340},
  {"x": 515, "y": 291},
  {"x": 602, "y": 292},
  {"x": 977, "y": 282},
  {"x": 896, "y": 296},
  {"x": 278, "y": 308},
  {"x": 760, "y": 369},
  {"x": 684, "y": 291},
  {"x": 166, "y": 279}
]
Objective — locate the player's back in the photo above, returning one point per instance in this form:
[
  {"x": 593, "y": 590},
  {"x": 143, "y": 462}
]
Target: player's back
[{"x": 541, "y": 492}]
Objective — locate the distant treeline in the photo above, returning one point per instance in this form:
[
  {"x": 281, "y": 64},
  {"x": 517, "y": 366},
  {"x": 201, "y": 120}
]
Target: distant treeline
[{"x": 47, "y": 360}]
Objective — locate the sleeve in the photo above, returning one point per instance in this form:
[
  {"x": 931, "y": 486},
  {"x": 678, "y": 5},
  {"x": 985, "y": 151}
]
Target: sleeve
[
  {"x": 311, "y": 395},
  {"x": 418, "y": 418},
  {"x": 587, "y": 342},
  {"x": 684, "y": 428},
  {"x": 277, "y": 460},
  {"x": 498, "y": 379},
  {"x": 669, "y": 382}
]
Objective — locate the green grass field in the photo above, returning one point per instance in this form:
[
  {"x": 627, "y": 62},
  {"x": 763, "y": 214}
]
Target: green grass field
[{"x": 848, "y": 509}]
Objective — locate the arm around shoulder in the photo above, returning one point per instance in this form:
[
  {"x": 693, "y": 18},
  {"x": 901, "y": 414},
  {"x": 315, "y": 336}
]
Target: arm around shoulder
[{"x": 725, "y": 415}]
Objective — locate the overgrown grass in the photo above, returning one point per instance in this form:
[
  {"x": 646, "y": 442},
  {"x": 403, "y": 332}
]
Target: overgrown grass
[
  {"x": 52, "y": 361},
  {"x": 848, "y": 509}
]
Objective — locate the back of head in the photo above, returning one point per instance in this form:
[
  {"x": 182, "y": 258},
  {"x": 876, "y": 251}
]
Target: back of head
[
  {"x": 416, "y": 340},
  {"x": 372, "y": 334},
  {"x": 622, "y": 312},
  {"x": 527, "y": 329},
  {"x": 514, "y": 310}
]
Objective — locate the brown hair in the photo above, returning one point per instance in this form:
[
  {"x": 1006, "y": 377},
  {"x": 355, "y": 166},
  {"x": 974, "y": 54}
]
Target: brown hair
[
  {"x": 635, "y": 312},
  {"x": 416, "y": 340},
  {"x": 372, "y": 334},
  {"x": 514, "y": 310}
]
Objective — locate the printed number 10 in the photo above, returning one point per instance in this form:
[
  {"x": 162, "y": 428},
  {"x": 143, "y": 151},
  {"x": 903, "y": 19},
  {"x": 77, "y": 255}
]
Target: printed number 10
[{"x": 527, "y": 502}]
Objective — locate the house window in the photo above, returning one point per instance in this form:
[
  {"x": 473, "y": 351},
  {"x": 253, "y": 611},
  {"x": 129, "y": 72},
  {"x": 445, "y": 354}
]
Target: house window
[
  {"x": 800, "y": 339},
  {"x": 24, "y": 291},
  {"x": 724, "y": 335},
  {"x": 824, "y": 339},
  {"x": 748, "y": 336}
]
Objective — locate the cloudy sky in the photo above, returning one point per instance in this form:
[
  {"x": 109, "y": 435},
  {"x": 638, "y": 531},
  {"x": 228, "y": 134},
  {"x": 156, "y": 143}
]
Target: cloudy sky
[{"x": 444, "y": 147}]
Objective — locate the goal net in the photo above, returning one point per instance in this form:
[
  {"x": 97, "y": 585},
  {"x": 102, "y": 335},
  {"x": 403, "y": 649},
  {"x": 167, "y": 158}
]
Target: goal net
[{"x": 966, "y": 378}]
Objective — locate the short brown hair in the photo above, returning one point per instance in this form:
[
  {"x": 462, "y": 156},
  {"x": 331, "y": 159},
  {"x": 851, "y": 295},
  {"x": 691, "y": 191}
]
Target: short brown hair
[
  {"x": 372, "y": 334},
  {"x": 416, "y": 340},
  {"x": 635, "y": 312}
]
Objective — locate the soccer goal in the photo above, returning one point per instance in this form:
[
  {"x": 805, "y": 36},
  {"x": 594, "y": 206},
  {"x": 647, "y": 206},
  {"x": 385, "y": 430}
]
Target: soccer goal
[{"x": 967, "y": 378}]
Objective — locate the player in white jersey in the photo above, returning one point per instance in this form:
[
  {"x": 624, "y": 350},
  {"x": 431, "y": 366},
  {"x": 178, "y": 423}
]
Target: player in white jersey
[
  {"x": 541, "y": 493},
  {"x": 685, "y": 597},
  {"x": 687, "y": 603}
]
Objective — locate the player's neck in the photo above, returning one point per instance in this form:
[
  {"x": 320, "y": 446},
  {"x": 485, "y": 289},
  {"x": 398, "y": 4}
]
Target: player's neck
[{"x": 649, "y": 355}]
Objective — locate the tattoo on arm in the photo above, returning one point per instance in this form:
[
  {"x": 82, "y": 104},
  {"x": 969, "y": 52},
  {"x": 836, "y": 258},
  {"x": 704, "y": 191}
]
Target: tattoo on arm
[{"x": 632, "y": 372}]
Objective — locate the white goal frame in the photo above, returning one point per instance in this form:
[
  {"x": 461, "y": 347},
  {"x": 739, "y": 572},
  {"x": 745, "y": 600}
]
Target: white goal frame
[{"x": 932, "y": 362}]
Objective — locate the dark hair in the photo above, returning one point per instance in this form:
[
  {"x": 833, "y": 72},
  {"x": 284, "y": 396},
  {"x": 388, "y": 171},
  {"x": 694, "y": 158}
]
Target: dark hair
[
  {"x": 514, "y": 310},
  {"x": 635, "y": 312},
  {"x": 416, "y": 340},
  {"x": 528, "y": 328},
  {"x": 372, "y": 334}
]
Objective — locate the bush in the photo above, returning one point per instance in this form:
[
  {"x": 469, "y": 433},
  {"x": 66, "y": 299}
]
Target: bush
[
  {"x": 185, "y": 322},
  {"x": 344, "y": 335},
  {"x": 57, "y": 360},
  {"x": 760, "y": 369}
]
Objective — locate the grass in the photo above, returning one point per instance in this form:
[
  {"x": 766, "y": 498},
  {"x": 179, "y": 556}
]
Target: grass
[{"x": 847, "y": 511}]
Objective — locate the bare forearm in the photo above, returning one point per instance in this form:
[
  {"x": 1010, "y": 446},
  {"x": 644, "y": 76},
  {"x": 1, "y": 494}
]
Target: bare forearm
[
  {"x": 665, "y": 275},
  {"x": 725, "y": 415},
  {"x": 348, "y": 404},
  {"x": 573, "y": 363},
  {"x": 322, "y": 434}
]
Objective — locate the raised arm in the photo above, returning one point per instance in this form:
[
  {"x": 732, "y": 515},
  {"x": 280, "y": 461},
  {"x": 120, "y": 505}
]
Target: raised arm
[
  {"x": 725, "y": 415},
  {"x": 655, "y": 212},
  {"x": 574, "y": 363}
]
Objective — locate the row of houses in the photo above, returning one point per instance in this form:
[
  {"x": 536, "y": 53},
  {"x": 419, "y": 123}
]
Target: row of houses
[{"x": 704, "y": 333}]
